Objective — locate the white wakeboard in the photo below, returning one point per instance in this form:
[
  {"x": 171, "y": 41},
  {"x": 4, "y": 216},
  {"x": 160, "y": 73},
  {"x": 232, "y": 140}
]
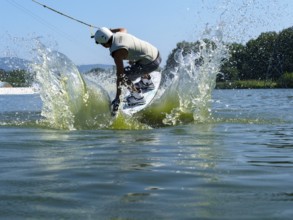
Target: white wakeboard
[{"x": 148, "y": 95}]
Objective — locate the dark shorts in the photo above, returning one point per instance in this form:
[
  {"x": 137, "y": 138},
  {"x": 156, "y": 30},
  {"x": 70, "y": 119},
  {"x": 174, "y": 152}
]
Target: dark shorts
[{"x": 137, "y": 70}]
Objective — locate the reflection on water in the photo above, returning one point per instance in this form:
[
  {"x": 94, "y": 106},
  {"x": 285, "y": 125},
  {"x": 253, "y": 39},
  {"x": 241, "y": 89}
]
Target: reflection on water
[
  {"x": 213, "y": 170},
  {"x": 126, "y": 166},
  {"x": 238, "y": 162}
]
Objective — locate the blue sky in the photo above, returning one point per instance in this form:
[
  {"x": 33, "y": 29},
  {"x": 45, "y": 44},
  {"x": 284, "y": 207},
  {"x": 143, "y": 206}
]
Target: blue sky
[{"x": 163, "y": 23}]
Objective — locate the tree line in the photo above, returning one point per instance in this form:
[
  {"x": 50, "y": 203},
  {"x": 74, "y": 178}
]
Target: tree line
[{"x": 267, "y": 58}]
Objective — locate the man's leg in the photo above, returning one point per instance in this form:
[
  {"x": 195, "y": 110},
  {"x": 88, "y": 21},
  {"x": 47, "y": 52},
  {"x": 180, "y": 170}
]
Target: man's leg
[{"x": 135, "y": 97}]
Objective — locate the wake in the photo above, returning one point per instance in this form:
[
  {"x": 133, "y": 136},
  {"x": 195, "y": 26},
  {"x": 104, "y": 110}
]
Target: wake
[
  {"x": 74, "y": 101},
  {"x": 69, "y": 102}
]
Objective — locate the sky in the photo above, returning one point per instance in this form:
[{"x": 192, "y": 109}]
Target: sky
[{"x": 163, "y": 23}]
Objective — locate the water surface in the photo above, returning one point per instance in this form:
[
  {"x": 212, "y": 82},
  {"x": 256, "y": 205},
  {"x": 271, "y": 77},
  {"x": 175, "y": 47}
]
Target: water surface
[{"x": 237, "y": 165}]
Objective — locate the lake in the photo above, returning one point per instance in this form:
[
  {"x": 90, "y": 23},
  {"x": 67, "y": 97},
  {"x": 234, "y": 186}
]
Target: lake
[{"x": 236, "y": 165}]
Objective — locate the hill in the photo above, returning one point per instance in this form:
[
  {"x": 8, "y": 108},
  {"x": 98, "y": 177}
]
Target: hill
[
  {"x": 15, "y": 63},
  {"x": 88, "y": 67}
]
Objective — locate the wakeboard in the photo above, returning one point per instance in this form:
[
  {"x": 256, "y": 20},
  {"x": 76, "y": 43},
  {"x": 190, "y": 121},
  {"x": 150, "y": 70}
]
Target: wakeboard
[{"x": 148, "y": 95}]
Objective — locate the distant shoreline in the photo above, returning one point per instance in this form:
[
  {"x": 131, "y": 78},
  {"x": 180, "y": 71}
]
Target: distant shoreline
[
  {"x": 253, "y": 84},
  {"x": 17, "y": 91}
]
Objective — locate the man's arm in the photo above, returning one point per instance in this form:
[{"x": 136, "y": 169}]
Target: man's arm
[{"x": 119, "y": 56}]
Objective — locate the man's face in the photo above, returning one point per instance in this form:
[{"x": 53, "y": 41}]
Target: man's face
[{"x": 106, "y": 45}]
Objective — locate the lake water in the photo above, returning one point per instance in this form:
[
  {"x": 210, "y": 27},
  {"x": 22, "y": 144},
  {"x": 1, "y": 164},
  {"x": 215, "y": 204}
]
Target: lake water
[{"x": 236, "y": 165}]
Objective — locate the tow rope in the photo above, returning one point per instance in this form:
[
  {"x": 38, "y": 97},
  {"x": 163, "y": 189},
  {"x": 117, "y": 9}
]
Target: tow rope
[{"x": 52, "y": 9}]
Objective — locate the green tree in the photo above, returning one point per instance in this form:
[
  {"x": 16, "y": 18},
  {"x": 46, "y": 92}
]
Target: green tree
[
  {"x": 186, "y": 48},
  {"x": 234, "y": 65},
  {"x": 285, "y": 49},
  {"x": 258, "y": 54},
  {"x": 17, "y": 78}
]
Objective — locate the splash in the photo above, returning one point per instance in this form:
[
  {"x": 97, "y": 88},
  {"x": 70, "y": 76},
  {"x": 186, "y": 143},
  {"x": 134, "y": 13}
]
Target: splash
[
  {"x": 68, "y": 103},
  {"x": 71, "y": 101},
  {"x": 107, "y": 79},
  {"x": 186, "y": 94}
]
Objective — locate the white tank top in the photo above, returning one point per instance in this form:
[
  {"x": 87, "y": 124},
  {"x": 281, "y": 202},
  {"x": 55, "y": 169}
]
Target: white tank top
[{"x": 138, "y": 50}]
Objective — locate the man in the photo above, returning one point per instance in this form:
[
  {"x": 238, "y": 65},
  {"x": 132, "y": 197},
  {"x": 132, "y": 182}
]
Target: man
[{"x": 143, "y": 59}]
